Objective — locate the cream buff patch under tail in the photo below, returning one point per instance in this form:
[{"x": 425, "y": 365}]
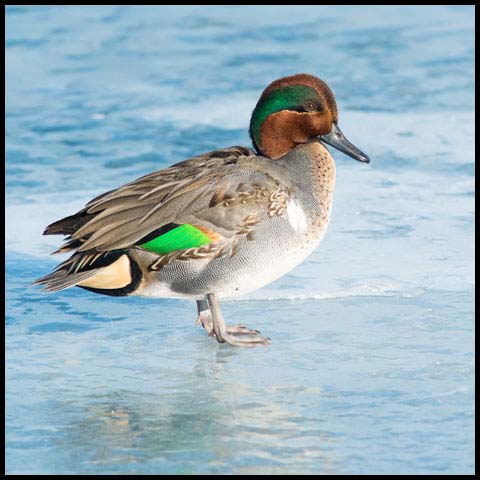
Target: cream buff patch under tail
[{"x": 113, "y": 276}]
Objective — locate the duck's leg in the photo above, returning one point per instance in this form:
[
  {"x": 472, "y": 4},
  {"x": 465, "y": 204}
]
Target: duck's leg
[
  {"x": 232, "y": 335},
  {"x": 205, "y": 320}
]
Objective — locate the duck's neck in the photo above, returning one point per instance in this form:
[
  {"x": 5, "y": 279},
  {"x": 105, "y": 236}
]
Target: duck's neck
[
  {"x": 310, "y": 169},
  {"x": 323, "y": 174}
]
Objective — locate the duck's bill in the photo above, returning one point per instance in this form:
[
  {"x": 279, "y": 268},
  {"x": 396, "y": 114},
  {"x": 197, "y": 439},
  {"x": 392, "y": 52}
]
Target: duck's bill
[{"x": 337, "y": 139}]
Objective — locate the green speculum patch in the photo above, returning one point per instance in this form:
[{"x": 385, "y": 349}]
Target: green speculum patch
[
  {"x": 285, "y": 98},
  {"x": 180, "y": 238}
]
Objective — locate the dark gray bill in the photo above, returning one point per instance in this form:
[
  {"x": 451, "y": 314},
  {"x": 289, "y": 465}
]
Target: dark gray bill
[{"x": 337, "y": 139}]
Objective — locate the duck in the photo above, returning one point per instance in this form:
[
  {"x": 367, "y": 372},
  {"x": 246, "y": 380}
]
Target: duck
[{"x": 218, "y": 225}]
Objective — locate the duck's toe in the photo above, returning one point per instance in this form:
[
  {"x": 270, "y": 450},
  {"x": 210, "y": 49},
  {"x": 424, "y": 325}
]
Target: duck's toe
[
  {"x": 241, "y": 330},
  {"x": 205, "y": 320},
  {"x": 242, "y": 340}
]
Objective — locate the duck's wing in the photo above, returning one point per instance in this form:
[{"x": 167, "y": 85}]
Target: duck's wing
[{"x": 219, "y": 194}]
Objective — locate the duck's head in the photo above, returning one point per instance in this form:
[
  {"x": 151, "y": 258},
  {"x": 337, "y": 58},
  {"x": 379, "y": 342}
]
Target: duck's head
[{"x": 295, "y": 110}]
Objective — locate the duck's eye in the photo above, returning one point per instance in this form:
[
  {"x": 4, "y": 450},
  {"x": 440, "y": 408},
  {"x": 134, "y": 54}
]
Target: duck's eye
[{"x": 309, "y": 106}]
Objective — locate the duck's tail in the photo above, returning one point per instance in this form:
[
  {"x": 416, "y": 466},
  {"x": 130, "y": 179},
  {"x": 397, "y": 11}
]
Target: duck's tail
[
  {"x": 61, "y": 279},
  {"x": 110, "y": 273}
]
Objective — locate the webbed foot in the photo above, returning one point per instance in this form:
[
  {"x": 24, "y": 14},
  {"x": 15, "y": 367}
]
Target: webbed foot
[{"x": 211, "y": 318}]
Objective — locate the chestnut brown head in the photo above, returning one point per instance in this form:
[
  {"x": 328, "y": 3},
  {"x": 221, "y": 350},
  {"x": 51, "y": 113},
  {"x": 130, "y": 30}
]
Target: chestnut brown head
[{"x": 294, "y": 110}]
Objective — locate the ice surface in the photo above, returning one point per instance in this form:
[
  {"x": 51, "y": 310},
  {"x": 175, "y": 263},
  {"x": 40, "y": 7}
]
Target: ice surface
[{"x": 371, "y": 364}]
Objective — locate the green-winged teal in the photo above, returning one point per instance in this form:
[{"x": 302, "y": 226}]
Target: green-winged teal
[{"x": 220, "y": 224}]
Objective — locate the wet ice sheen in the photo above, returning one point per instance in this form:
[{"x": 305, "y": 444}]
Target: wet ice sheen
[{"x": 370, "y": 369}]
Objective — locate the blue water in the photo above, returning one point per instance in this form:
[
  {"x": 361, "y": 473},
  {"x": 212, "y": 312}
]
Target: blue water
[{"x": 371, "y": 365}]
